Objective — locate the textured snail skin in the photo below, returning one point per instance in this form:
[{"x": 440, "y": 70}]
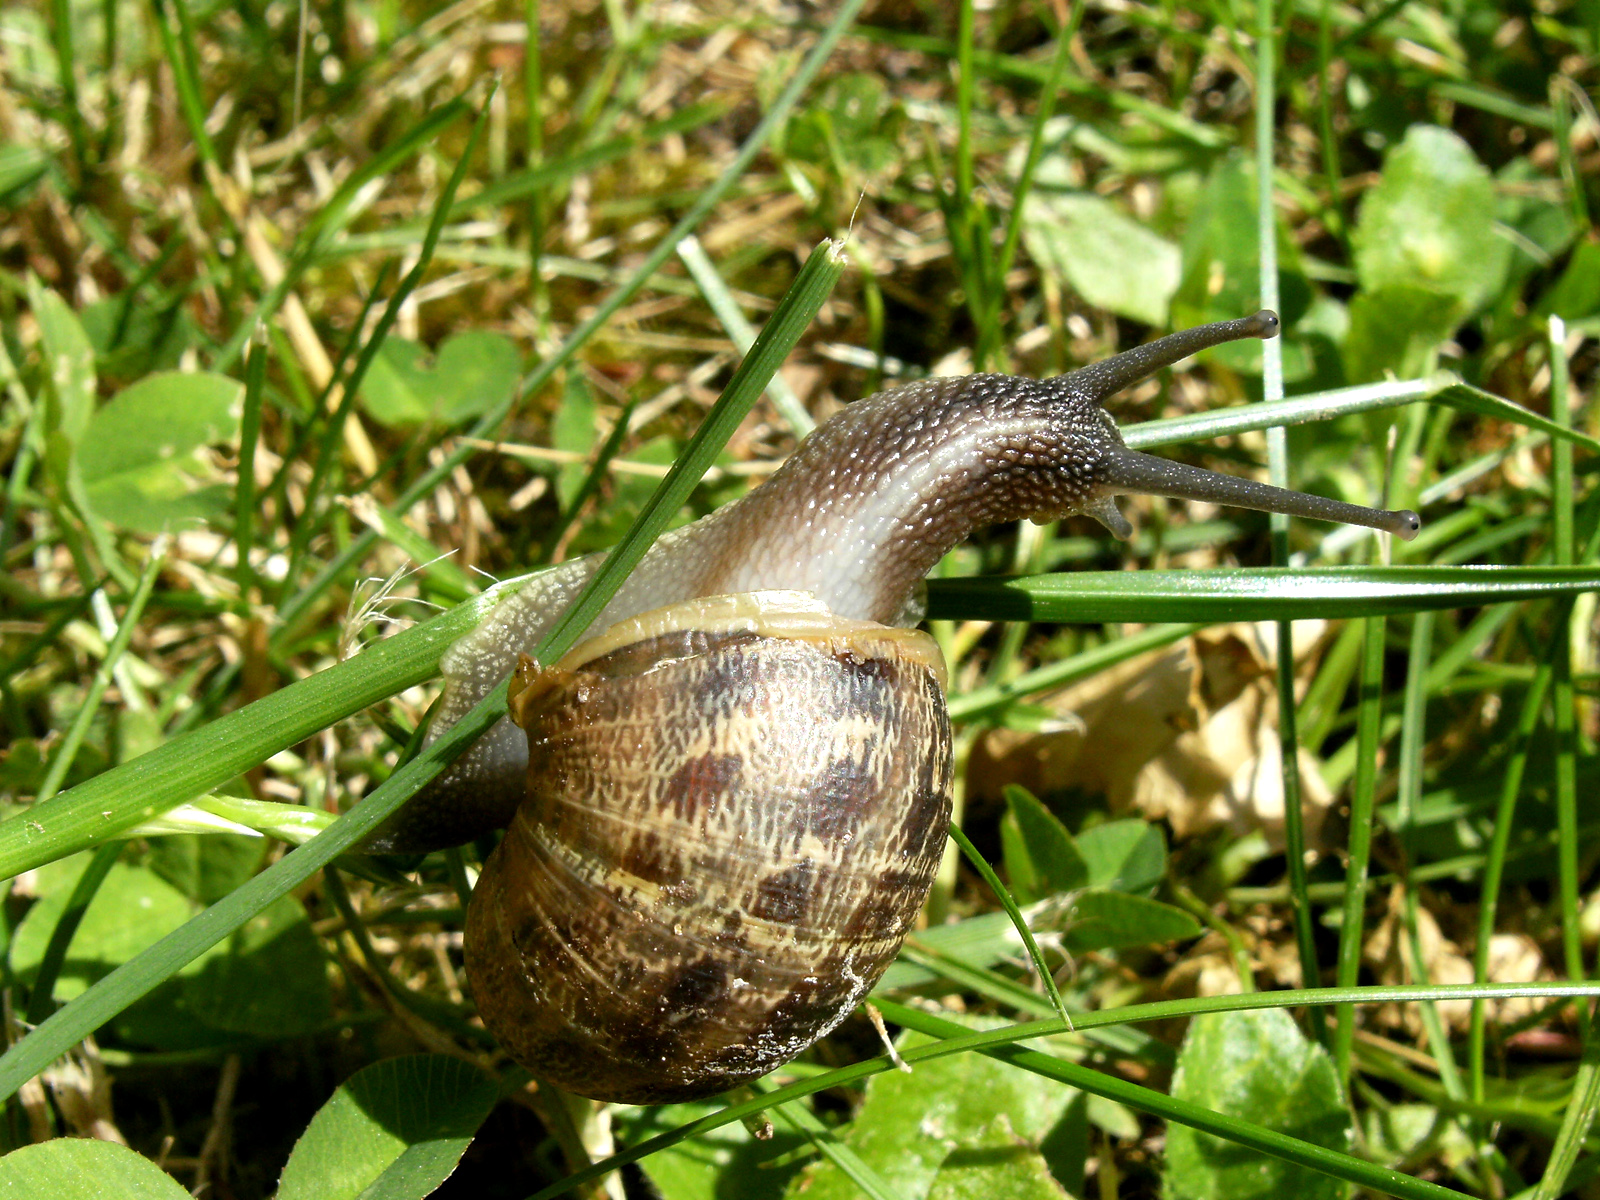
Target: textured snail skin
[
  {"x": 856, "y": 517},
  {"x": 735, "y": 810}
]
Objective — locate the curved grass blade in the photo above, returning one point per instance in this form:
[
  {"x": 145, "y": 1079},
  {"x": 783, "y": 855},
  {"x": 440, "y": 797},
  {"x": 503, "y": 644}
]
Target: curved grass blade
[
  {"x": 967, "y": 1042},
  {"x": 1018, "y": 921}
]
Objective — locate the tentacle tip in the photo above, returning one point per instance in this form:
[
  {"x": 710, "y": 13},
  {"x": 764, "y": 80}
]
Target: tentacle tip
[
  {"x": 1405, "y": 524},
  {"x": 1264, "y": 324}
]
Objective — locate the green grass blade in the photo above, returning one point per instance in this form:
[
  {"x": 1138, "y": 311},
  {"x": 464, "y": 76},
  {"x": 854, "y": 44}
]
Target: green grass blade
[
  {"x": 740, "y": 331},
  {"x": 1296, "y": 410},
  {"x": 41, "y": 1000},
  {"x": 1577, "y": 1121},
  {"x": 1018, "y": 921},
  {"x": 1443, "y": 389},
  {"x": 993, "y": 698},
  {"x": 1495, "y": 865},
  {"x": 139, "y": 975},
  {"x": 1408, "y": 794},
  {"x": 67, "y": 750},
  {"x": 800, "y": 304},
  {"x": 1563, "y": 696},
  {"x": 244, "y": 491},
  {"x": 1463, "y": 397},
  {"x": 1241, "y": 1132},
  {"x": 1248, "y": 593},
  {"x": 1352, "y": 930},
  {"x": 205, "y": 758},
  {"x": 1265, "y": 102},
  {"x": 181, "y": 58},
  {"x": 967, "y": 1042}
]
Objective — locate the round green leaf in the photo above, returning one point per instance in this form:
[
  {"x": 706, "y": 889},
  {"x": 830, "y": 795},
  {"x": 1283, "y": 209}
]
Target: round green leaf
[
  {"x": 1429, "y": 223},
  {"x": 1125, "y": 856},
  {"x": 1257, "y": 1066},
  {"x": 394, "y": 1131},
  {"x": 1106, "y": 920},
  {"x": 996, "y": 1165},
  {"x": 270, "y": 978},
  {"x": 133, "y": 910},
  {"x": 140, "y": 459},
  {"x": 474, "y": 371},
  {"x": 83, "y": 1169},
  {"x": 1109, "y": 259},
  {"x": 912, "y": 1126}
]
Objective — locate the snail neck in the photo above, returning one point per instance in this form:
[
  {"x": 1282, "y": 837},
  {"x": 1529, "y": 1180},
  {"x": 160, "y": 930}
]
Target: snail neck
[{"x": 869, "y": 503}]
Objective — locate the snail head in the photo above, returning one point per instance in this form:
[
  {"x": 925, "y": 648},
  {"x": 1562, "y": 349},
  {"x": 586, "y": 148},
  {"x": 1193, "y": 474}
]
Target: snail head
[{"x": 1110, "y": 468}]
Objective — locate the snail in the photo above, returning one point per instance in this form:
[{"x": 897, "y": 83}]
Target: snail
[{"x": 727, "y": 806}]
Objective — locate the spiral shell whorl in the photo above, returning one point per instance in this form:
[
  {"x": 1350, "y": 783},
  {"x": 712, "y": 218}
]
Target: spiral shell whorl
[{"x": 734, "y": 815}]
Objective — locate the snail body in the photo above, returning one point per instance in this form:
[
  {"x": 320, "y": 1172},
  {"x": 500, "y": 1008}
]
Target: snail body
[
  {"x": 669, "y": 916},
  {"x": 727, "y": 806}
]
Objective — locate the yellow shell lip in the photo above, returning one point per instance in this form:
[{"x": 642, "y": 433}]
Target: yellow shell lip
[{"x": 779, "y": 614}]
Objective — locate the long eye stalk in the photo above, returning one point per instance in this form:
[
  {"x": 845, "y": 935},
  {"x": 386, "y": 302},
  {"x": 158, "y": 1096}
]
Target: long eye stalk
[
  {"x": 1130, "y": 471},
  {"x": 1122, "y": 470}
]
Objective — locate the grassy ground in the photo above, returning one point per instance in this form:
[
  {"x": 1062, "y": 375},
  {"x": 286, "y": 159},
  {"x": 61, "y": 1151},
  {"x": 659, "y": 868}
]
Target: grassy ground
[{"x": 294, "y": 303}]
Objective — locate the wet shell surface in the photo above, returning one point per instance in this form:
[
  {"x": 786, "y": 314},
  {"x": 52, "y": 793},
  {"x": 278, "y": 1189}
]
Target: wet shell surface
[{"x": 735, "y": 810}]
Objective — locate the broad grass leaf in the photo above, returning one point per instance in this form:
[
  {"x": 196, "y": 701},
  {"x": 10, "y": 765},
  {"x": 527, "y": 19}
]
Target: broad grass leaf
[
  {"x": 20, "y": 167},
  {"x": 472, "y": 373},
  {"x": 393, "y": 1131},
  {"x": 1257, "y": 1066},
  {"x": 1108, "y": 258},
  {"x": 84, "y": 1169},
  {"x": 141, "y": 458}
]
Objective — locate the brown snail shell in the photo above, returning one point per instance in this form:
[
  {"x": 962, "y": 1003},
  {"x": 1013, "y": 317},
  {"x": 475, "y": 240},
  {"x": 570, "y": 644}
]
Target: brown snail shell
[{"x": 736, "y": 806}]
